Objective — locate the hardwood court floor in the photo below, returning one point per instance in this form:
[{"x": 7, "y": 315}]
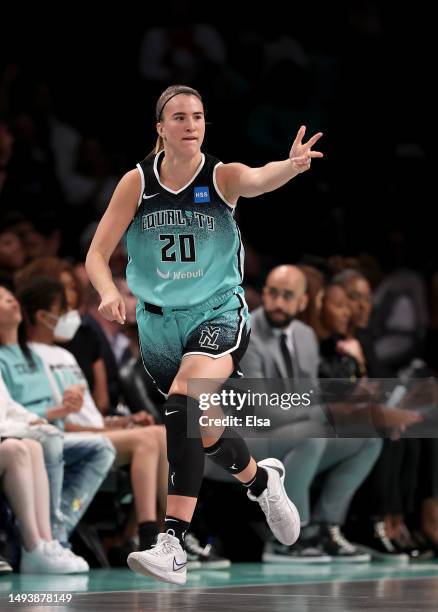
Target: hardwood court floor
[{"x": 245, "y": 587}]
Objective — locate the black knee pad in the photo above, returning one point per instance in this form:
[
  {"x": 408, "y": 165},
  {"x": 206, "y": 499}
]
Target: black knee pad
[
  {"x": 185, "y": 455},
  {"x": 230, "y": 452},
  {"x": 175, "y": 420}
]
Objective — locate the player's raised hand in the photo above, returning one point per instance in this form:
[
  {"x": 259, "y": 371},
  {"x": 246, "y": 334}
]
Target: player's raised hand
[{"x": 301, "y": 153}]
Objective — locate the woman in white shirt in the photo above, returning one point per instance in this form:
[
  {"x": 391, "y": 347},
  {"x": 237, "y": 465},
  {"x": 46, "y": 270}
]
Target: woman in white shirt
[{"x": 25, "y": 484}]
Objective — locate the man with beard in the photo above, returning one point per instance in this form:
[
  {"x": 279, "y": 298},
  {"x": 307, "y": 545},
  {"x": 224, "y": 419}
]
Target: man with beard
[{"x": 283, "y": 347}]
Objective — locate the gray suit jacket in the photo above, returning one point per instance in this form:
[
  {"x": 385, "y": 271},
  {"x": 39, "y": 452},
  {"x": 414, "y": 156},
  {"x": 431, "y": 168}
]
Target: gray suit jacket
[{"x": 263, "y": 359}]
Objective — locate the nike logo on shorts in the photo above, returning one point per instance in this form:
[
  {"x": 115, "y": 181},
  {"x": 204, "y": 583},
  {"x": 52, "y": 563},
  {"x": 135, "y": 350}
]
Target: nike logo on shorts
[{"x": 171, "y": 412}]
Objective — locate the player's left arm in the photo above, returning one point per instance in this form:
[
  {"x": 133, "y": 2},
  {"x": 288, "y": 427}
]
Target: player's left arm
[{"x": 235, "y": 180}]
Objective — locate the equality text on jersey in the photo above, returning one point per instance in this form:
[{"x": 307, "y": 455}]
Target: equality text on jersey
[{"x": 181, "y": 218}]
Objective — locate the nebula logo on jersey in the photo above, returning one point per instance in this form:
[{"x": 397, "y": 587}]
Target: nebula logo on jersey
[
  {"x": 202, "y": 194},
  {"x": 180, "y": 275}
]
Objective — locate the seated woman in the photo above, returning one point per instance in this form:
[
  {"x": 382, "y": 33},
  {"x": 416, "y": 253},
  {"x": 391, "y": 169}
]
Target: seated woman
[
  {"x": 78, "y": 464},
  {"x": 84, "y": 343},
  {"x": 406, "y": 471},
  {"x": 144, "y": 448},
  {"x": 343, "y": 359},
  {"x": 25, "y": 484},
  {"x": 108, "y": 383}
]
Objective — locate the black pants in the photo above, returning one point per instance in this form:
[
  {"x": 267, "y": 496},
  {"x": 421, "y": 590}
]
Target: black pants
[
  {"x": 392, "y": 483},
  {"x": 428, "y": 469}
]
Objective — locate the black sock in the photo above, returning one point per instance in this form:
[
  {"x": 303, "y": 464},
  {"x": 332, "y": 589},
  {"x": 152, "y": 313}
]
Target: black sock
[
  {"x": 259, "y": 483},
  {"x": 176, "y": 527},
  {"x": 147, "y": 534}
]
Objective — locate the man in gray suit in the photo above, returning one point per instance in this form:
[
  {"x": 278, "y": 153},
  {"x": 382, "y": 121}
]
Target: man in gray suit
[{"x": 283, "y": 347}]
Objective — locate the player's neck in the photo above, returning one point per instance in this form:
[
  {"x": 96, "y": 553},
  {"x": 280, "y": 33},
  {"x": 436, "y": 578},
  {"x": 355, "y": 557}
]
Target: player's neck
[{"x": 176, "y": 170}]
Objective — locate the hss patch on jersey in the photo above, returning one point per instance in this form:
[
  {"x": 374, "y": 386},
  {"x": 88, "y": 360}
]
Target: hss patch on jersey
[{"x": 202, "y": 194}]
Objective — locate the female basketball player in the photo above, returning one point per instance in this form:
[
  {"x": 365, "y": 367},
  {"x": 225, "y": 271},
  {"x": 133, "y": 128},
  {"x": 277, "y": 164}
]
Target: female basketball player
[{"x": 185, "y": 266}]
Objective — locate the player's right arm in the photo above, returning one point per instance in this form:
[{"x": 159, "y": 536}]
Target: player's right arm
[{"x": 112, "y": 226}]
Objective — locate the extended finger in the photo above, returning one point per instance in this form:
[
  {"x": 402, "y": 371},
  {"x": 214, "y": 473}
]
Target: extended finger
[
  {"x": 300, "y": 135},
  {"x": 309, "y": 144},
  {"x": 306, "y": 159}
]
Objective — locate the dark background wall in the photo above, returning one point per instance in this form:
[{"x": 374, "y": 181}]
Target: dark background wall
[{"x": 355, "y": 72}]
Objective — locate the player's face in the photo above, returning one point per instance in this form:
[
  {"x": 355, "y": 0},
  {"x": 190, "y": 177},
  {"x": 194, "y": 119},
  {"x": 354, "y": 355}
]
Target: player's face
[{"x": 182, "y": 125}]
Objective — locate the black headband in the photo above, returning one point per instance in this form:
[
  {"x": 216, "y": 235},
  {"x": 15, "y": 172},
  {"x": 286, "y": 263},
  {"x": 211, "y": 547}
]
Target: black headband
[{"x": 188, "y": 92}]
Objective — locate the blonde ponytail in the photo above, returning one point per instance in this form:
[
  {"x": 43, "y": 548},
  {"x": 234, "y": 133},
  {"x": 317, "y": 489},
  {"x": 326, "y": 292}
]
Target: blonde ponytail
[{"x": 159, "y": 145}]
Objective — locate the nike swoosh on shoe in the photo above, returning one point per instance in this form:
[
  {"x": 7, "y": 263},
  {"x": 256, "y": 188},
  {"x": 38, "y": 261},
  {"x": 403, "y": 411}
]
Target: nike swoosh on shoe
[
  {"x": 178, "y": 565},
  {"x": 274, "y": 467}
]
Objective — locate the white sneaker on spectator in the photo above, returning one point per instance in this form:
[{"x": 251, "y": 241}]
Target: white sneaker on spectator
[
  {"x": 5, "y": 568},
  {"x": 281, "y": 514},
  {"x": 81, "y": 564},
  {"x": 45, "y": 559},
  {"x": 166, "y": 561}
]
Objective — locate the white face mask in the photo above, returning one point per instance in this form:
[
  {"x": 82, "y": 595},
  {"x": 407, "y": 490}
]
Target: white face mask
[{"x": 67, "y": 325}]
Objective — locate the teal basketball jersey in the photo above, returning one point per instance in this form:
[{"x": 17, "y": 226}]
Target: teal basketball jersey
[
  {"x": 27, "y": 381},
  {"x": 183, "y": 246}
]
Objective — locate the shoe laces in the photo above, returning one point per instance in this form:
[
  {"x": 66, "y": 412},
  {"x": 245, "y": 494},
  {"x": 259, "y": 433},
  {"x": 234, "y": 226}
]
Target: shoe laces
[
  {"x": 65, "y": 552},
  {"x": 163, "y": 546},
  {"x": 339, "y": 539},
  {"x": 69, "y": 554},
  {"x": 54, "y": 549},
  {"x": 381, "y": 533},
  {"x": 272, "y": 510}
]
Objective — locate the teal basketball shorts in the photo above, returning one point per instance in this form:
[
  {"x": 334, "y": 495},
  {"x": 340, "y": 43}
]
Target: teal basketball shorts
[{"x": 220, "y": 326}]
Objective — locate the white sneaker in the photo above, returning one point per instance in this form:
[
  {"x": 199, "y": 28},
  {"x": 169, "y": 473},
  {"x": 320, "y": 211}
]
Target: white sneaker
[
  {"x": 79, "y": 562},
  {"x": 45, "y": 559},
  {"x": 166, "y": 561},
  {"x": 281, "y": 514}
]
